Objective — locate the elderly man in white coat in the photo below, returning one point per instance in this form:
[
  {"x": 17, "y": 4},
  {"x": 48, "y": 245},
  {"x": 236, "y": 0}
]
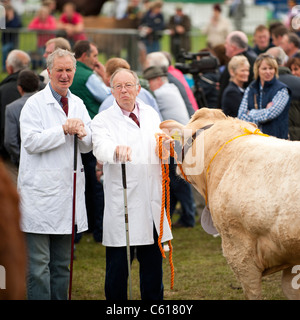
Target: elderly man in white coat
[
  {"x": 125, "y": 132},
  {"x": 45, "y": 177}
]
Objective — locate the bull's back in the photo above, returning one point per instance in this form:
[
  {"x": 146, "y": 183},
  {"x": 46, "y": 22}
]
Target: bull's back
[{"x": 260, "y": 188}]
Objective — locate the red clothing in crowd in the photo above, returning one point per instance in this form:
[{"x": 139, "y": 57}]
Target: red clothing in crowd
[
  {"x": 48, "y": 24},
  {"x": 76, "y": 19}
]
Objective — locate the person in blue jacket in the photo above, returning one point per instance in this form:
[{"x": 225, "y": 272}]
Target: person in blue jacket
[
  {"x": 10, "y": 40},
  {"x": 152, "y": 23},
  {"x": 266, "y": 101}
]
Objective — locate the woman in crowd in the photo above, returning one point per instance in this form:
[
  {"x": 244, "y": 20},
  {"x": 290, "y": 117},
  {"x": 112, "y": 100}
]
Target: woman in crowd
[
  {"x": 152, "y": 23},
  {"x": 266, "y": 101},
  {"x": 71, "y": 23},
  {"x": 294, "y": 65},
  {"x": 218, "y": 28},
  {"x": 239, "y": 72},
  {"x": 43, "y": 22}
]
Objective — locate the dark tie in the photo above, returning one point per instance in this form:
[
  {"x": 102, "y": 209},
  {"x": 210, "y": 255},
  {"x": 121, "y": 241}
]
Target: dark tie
[
  {"x": 134, "y": 118},
  {"x": 64, "y": 101}
]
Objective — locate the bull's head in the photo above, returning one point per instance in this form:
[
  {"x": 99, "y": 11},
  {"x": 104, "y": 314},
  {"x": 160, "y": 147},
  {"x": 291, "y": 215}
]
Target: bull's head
[{"x": 189, "y": 139}]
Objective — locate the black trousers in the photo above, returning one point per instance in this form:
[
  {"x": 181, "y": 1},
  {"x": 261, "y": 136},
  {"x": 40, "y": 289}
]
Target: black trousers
[{"x": 151, "y": 272}]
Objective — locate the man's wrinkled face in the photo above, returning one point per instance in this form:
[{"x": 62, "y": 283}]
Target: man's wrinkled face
[
  {"x": 125, "y": 89},
  {"x": 62, "y": 74}
]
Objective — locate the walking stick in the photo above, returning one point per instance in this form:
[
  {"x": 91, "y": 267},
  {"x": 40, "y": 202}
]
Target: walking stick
[
  {"x": 126, "y": 226},
  {"x": 73, "y": 214}
]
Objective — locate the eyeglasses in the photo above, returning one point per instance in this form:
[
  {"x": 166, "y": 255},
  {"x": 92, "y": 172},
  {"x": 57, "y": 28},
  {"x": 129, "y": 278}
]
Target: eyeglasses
[{"x": 128, "y": 86}]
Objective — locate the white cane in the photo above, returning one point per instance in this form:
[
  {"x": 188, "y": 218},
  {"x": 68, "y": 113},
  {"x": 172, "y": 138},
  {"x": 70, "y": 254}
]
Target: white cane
[
  {"x": 73, "y": 214},
  {"x": 126, "y": 226}
]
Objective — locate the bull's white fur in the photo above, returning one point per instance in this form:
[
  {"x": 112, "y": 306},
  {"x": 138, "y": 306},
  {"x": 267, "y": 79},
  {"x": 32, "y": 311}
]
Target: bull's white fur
[{"x": 253, "y": 190}]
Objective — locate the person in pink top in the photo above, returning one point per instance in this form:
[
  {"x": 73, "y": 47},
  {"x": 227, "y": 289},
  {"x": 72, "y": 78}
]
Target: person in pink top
[
  {"x": 179, "y": 75},
  {"x": 72, "y": 23},
  {"x": 43, "y": 21}
]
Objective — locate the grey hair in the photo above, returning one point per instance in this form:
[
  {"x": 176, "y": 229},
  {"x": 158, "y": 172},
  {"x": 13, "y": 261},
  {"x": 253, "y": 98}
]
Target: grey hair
[
  {"x": 60, "y": 53},
  {"x": 278, "y": 54},
  {"x": 157, "y": 59},
  {"x": 239, "y": 39},
  {"x": 137, "y": 80},
  {"x": 18, "y": 60}
]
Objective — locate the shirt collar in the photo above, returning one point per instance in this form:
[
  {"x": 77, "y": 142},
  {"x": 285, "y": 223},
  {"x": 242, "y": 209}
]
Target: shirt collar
[
  {"x": 56, "y": 95},
  {"x": 136, "y": 110}
]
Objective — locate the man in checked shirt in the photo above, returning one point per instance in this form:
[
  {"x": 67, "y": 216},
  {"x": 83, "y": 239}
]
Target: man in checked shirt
[{"x": 266, "y": 101}]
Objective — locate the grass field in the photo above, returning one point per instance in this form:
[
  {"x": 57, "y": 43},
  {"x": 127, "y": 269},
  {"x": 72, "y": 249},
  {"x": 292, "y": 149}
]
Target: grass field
[{"x": 201, "y": 271}]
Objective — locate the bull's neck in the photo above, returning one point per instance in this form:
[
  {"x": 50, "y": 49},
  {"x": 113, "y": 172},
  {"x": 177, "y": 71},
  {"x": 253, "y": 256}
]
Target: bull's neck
[{"x": 213, "y": 140}]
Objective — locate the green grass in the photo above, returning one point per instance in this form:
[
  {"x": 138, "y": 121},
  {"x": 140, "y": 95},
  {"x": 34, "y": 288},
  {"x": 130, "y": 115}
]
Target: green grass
[{"x": 201, "y": 271}]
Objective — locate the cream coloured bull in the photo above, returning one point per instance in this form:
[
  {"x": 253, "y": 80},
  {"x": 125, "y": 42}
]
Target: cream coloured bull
[{"x": 253, "y": 193}]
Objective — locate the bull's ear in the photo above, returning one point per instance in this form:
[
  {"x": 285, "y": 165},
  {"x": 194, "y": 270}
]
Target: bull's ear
[{"x": 169, "y": 126}]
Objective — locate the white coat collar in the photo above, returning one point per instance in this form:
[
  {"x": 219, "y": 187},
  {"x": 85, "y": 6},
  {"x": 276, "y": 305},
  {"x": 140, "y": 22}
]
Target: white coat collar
[
  {"x": 49, "y": 98},
  {"x": 119, "y": 112}
]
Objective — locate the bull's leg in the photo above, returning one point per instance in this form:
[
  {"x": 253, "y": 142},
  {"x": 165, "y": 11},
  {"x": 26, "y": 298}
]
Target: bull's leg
[
  {"x": 240, "y": 255},
  {"x": 251, "y": 284}
]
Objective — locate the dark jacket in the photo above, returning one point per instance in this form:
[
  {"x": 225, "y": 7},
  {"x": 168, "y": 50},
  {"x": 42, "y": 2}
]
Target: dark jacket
[
  {"x": 293, "y": 83},
  {"x": 225, "y": 76},
  {"x": 277, "y": 127},
  {"x": 8, "y": 94},
  {"x": 12, "y": 139},
  {"x": 12, "y": 37},
  {"x": 183, "y": 40},
  {"x": 155, "y": 22},
  {"x": 231, "y": 99}
]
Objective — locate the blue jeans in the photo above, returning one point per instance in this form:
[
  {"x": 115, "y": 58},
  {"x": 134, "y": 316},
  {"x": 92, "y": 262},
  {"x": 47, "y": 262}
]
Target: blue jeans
[
  {"x": 152, "y": 45},
  {"x": 48, "y": 270}
]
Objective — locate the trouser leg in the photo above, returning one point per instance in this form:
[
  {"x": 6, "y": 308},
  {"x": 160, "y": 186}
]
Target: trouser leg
[
  {"x": 60, "y": 255},
  {"x": 116, "y": 278},
  {"x": 38, "y": 276},
  {"x": 151, "y": 272}
]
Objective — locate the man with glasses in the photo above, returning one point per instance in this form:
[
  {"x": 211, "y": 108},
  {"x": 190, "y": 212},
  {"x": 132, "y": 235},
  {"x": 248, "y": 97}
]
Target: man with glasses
[{"x": 125, "y": 133}]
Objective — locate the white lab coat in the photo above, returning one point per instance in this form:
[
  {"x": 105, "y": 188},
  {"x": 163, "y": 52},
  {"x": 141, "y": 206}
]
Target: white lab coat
[
  {"x": 144, "y": 186},
  {"x": 45, "y": 180}
]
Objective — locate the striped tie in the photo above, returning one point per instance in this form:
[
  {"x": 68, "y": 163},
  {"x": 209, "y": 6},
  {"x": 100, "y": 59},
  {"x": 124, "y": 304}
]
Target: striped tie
[
  {"x": 134, "y": 118},
  {"x": 64, "y": 101}
]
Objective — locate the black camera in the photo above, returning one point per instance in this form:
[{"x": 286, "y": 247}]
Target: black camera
[{"x": 201, "y": 62}]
